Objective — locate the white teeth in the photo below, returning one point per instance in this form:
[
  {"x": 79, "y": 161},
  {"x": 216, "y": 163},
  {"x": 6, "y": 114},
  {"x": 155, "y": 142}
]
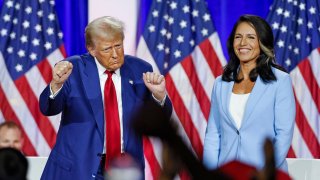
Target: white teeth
[{"x": 244, "y": 50}]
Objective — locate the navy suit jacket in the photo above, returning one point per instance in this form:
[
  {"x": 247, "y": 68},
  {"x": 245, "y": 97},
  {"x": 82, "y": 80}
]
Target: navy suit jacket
[{"x": 81, "y": 133}]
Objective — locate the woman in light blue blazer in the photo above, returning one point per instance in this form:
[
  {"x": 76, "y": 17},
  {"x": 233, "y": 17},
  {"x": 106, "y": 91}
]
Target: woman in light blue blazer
[{"x": 251, "y": 101}]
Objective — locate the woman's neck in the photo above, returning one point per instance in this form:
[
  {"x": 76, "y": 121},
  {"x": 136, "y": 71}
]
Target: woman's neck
[{"x": 245, "y": 69}]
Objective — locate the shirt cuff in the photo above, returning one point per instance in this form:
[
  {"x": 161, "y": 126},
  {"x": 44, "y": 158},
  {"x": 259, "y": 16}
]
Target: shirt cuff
[
  {"x": 161, "y": 103},
  {"x": 53, "y": 95}
]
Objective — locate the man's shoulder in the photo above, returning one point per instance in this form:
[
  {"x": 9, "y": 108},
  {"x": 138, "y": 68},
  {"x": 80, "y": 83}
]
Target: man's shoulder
[
  {"x": 82, "y": 59},
  {"x": 136, "y": 62},
  {"x": 78, "y": 58}
]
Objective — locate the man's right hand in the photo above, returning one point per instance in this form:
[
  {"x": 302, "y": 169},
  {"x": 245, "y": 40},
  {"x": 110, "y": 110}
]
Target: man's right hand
[{"x": 60, "y": 74}]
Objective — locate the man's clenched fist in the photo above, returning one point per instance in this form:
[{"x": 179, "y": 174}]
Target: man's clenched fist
[{"x": 60, "y": 74}]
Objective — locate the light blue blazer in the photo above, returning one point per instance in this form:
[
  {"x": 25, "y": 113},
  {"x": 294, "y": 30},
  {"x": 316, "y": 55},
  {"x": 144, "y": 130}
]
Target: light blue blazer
[{"x": 269, "y": 112}]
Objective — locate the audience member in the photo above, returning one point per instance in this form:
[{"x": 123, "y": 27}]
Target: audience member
[
  {"x": 10, "y": 135},
  {"x": 13, "y": 164}
]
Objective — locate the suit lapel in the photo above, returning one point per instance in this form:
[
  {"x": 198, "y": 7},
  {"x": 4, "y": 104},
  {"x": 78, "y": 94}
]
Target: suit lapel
[
  {"x": 91, "y": 84},
  {"x": 255, "y": 96},
  {"x": 127, "y": 85},
  {"x": 226, "y": 91}
]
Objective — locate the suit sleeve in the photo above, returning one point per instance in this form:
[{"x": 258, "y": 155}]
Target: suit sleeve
[
  {"x": 167, "y": 106},
  {"x": 50, "y": 107},
  {"x": 284, "y": 119},
  {"x": 212, "y": 136}
]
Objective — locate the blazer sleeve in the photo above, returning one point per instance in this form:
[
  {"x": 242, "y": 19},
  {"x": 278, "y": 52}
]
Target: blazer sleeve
[
  {"x": 285, "y": 111},
  {"x": 212, "y": 136},
  {"x": 50, "y": 107}
]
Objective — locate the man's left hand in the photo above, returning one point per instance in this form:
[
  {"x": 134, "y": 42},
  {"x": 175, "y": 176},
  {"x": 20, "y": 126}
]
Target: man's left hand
[{"x": 156, "y": 84}]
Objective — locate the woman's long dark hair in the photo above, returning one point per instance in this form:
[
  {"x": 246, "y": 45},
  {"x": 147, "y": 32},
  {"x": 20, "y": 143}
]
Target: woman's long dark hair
[{"x": 266, "y": 59}]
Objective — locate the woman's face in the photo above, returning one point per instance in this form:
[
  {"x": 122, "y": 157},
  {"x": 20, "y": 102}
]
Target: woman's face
[{"x": 246, "y": 44}]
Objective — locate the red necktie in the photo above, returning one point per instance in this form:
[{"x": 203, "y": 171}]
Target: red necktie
[{"x": 112, "y": 120}]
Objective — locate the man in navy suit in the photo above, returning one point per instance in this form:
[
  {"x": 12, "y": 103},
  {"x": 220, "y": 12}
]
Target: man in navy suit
[{"x": 77, "y": 90}]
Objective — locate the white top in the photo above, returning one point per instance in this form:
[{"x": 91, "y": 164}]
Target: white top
[{"x": 237, "y": 107}]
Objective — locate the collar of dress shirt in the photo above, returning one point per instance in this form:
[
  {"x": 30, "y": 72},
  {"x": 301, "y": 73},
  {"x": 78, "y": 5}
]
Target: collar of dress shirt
[{"x": 102, "y": 69}]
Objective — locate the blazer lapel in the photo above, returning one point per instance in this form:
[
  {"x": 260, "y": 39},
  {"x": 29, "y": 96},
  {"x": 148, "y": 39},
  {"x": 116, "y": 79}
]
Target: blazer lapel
[
  {"x": 226, "y": 91},
  {"x": 127, "y": 84},
  {"x": 256, "y": 94},
  {"x": 91, "y": 84}
]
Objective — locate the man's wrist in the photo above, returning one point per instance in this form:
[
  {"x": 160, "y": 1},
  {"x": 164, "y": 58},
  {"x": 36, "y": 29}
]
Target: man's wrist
[
  {"x": 54, "y": 90},
  {"x": 161, "y": 101}
]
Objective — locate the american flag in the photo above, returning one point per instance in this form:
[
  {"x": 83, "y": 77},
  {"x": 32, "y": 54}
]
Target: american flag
[
  {"x": 30, "y": 45},
  {"x": 296, "y": 26},
  {"x": 180, "y": 42}
]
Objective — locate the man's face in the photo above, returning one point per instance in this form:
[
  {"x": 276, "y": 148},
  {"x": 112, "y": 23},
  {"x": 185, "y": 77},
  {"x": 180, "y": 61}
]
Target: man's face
[
  {"x": 108, "y": 51},
  {"x": 10, "y": 137}
]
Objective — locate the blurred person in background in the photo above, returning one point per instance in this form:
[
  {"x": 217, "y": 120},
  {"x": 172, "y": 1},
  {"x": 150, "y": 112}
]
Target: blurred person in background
[
  {"x": 10, "y": 135},
  {"x": 13, "y": 164}
]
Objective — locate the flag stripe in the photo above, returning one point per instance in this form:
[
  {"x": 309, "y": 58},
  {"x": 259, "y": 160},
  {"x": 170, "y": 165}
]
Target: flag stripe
[
  {"x": 187, "y": 95},
  {"x": 200, "y": 94},
  {"x": 297, "y": 46},
  {"x": 37, "y": 83},
  {"x": 31, "y": 100},
  {"x": 315, "y": 64},
  {"x": 291, "y": 153},
  {"x": 182, "y": 111},
  {"x": 63, "y": 53},
  {"x": 211, "y": 57},
  {"x": 45, "y": 70},
  {"x": 157, "y": 149},
  {"x": 185, "y": 91},
  {"x": 215, "y": 43},
  {"x": 147, "y": 169},
  {"x": 144, "y": 53},
  {"x": 181, "y": 131},
  {"x": 305, "y": 101},
  {"x": 9, "y": 114},
  {"x": 150, "y": 157},
  {"x": 22, "y": 111},
  {"x": 56, "y": 56},
  {"x": 298, "y": 144},
  {"x": 310, "y": 81},
  {"x": 29, "y": 49},
  {"x": 306, "y": 131},
  {"x": 189, "y": 69},
  {"x": 201, "y": 65}
]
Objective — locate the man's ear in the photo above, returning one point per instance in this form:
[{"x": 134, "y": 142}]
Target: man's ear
[{"x": 91, "y": 50}]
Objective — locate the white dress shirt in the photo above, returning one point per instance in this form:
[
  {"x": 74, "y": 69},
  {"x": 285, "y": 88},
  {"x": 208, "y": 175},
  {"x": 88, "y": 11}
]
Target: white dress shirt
[{"x": 116, "y": 78}]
